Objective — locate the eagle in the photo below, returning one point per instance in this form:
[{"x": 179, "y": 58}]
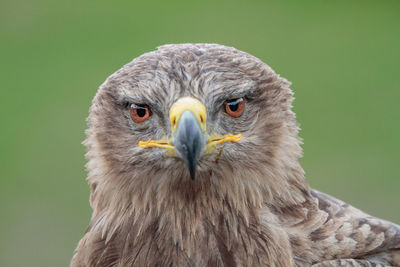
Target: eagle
[{"x": 193, "y": 160}]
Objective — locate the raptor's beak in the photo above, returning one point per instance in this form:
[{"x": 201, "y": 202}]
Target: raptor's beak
[
  {"x": 188, "y": 125},
  {"x": 189, "y": 136}
]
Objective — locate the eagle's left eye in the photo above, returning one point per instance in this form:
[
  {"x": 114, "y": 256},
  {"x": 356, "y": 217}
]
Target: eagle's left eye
[
  {"x": 140, "y": 113},
  {"x": 234, "y": 107}
]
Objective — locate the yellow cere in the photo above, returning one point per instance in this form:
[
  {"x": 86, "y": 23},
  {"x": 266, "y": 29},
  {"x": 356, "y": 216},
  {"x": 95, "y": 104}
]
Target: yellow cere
[{"x": 191, "y": 104}]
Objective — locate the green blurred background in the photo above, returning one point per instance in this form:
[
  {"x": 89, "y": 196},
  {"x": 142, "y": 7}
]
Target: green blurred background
[{"x": 342, "y": 57}]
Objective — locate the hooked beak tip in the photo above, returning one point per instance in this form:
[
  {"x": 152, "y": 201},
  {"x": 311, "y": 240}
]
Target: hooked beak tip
[{"x": 193, "y": 174}]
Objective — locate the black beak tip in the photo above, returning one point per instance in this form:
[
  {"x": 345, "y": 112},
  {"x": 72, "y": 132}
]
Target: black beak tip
[
  {"x": 192, "y": 166},
  {"x": 192, "y": 174}
]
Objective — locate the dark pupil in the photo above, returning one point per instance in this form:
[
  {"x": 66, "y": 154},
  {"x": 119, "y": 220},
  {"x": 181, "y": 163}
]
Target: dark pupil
[
  {"x": 141, "y": 111},
  {"x": 234, "y": 105}
]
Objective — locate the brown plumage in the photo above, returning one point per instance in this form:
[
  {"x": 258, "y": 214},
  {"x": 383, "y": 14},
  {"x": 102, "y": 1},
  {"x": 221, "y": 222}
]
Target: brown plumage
[{"x": 248, "y": 203}]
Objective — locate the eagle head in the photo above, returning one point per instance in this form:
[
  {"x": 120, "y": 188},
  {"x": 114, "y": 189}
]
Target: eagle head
[{"x": 194, "y": 119}]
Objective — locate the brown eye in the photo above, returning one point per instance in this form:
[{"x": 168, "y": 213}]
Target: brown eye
[
  {"x": 234, "y": 107},
  {"x": 140, "y": 113}
]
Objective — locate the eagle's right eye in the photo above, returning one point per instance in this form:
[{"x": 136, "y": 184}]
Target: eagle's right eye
[
  {"x": 140, "y": 112},
  {"x": 234, "y": 107}
]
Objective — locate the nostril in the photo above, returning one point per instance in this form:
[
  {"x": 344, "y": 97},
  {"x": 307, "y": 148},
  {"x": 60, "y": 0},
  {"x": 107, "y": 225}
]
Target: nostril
[
  {"x": 173, "y": 121},
  {"x": 201, "y": 118}
]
